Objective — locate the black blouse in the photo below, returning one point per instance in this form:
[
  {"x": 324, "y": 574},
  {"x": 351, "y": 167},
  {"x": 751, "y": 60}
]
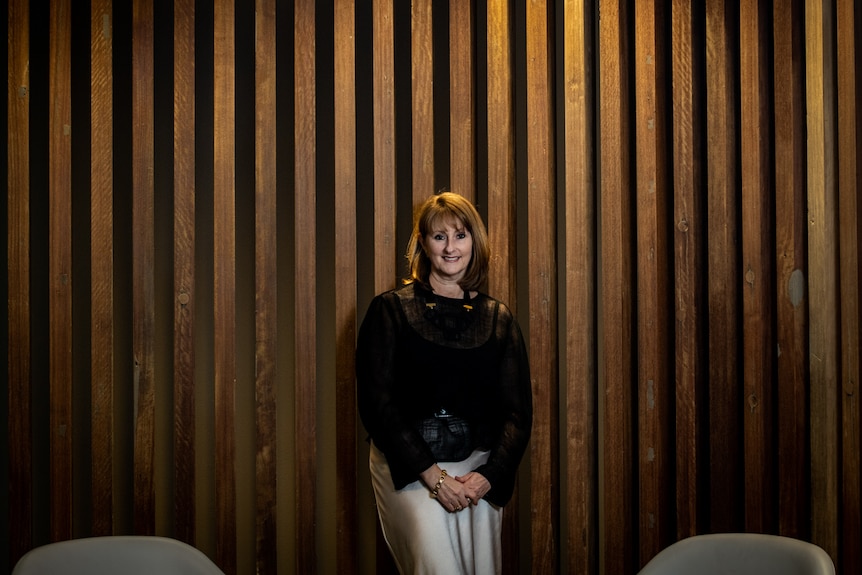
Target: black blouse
[{"x": 419, "y": 353}]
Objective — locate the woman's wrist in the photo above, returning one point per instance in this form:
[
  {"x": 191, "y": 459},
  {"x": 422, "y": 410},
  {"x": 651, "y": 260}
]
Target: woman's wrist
[{"x": 436, "y": 489}]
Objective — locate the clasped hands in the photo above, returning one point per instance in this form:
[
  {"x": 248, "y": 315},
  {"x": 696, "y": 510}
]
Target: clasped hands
[{"x": 458, "y": 492}]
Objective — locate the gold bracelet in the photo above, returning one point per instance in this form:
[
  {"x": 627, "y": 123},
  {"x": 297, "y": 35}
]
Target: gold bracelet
[{"x": 437, "y": 487}]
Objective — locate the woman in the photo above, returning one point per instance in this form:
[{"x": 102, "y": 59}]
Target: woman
[{"x": 444, "y": 392}]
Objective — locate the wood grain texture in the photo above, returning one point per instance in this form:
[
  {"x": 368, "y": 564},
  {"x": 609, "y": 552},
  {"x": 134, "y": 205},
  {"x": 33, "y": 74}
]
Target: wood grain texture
[
  {"x": 617, "y": 271},
  {"x": 266, "y": 289},
  {"x": 422, "y": 85},
  {"x": 20, "y": 495},
  {"x": 345, "y": 297},
  {"x": 224, "y": 282},
  {"x": 143, "y": 264},
  {"x": 581, "y": 376},
  {"x": 542, "y": 326},
  {"x": 849, "y": 58},
  {"x": 184, "y": 270},
  {"x": 501, "y": 154},
  {"x": 689, "y": 223},
  {"x": 501, "y": 215},
  {"x": 755, "y": 275},
  {"x": 101, "y": 265},
  {"x": 724, "y": 297},
  {"x": 60, "y": 268},
  {"x": 386, "y": 252},
  {"x": 462, "y": 96},
  {"x": 656, "y": 518},
  {"x": 790, "y": 265},
  {"x": 305, "y": 383},
  {"x": 823, "y": 264}
]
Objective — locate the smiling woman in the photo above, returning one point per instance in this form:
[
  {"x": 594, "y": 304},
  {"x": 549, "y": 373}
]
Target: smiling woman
[{"x": 445, "y": 394}]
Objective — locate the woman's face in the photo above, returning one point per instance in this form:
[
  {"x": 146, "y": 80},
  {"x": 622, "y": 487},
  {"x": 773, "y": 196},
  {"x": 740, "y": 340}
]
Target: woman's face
[{"x": 449, "y": 246}]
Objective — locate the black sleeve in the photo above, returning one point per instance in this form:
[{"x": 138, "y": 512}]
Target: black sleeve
[
  {"x": 516, "y": 404},
  {"x": 376, "y": 375}
]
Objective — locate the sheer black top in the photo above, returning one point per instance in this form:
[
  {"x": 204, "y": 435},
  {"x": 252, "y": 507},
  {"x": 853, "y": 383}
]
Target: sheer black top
[{"x": 419, "y": 353}]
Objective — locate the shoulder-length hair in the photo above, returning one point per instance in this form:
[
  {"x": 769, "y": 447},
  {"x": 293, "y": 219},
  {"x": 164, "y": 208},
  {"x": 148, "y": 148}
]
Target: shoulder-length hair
[{"x": 451, "y": 208}]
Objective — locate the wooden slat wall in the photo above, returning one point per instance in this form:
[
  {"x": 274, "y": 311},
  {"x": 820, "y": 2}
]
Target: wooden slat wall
[
  {"x": 823, "y": 276},
  {"x": 790, "y": 258},
  {"x": 544, "y": 486},
  {"x": 756, "y": 273},
  {"x": 346, "y": 275},
  {"x": 849, "y": 76},
  {"x": 616, "y": 220},
  {"x": 266, "y": 290},
  {"x": 689, "y": 238},
  {"x": 184, "y": 305},
  {"x": 143, "y": 262},
  {"x": 224, "y": 282},
  {"x": 18, "y": 195},
  {"x": 61, "y": 428},
  {"x": 655, "y": 388},
  {"x": 579, "y": 452},
  {"x": 724, "y": 327},
  {"x": 305, "y": 326},
  {"x": 672, "y": 197},
  {"x": 102, "y": 266}
]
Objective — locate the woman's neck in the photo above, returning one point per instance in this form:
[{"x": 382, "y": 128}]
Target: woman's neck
[{"x": 446, "y": 288}]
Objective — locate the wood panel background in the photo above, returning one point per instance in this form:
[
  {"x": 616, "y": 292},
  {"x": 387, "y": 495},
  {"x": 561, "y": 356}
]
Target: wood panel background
[{"x": 202, "y": 198}]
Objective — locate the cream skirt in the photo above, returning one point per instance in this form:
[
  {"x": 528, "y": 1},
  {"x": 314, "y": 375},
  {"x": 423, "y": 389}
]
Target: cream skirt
[{"x": 425, "y": 538}]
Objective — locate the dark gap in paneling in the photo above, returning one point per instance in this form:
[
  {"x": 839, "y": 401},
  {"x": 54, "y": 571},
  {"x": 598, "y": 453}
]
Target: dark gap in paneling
[
  {"x": 123, "y": 452},
  {"x": 163, "y": 245},
  {"x": 403, "y": 133},
  {"x": 204, "y": 336},
  {"x": 39, "y": 271},
  {"x": 480, "y": 76},
  {"x": 245, "y": 320},
  {"x": 364, "y": 156},
  {"x": 440, "y": 56},
  {"x": 81, "y": 271}
]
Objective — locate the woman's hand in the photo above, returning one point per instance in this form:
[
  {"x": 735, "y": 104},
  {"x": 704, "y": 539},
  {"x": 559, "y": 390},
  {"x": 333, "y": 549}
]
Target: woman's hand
[
  {"x": 475, "y": 486},
  {"x": 455, "y": 493}
]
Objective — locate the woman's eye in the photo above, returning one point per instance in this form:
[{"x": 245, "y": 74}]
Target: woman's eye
[
  {"x": 462, "y": 235},
  {"x": 438, "y": 237}
]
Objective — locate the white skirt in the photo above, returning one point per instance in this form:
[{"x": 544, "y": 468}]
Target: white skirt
[{"x": 425, "y": 538}]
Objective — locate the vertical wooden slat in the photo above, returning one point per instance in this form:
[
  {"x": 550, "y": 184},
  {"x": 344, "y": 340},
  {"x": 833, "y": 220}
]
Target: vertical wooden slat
[
  {"x": 266, "y": 284},
  {"x": 654, "y": 317},
  {"x": 102, "y": 265},
  {"x": 689, "y": 224},
  {"x": 849, "y": 60},
  {"x": 580, "y": 482},
  {"x": 422, "y": 106},
  {"x": 224, "y": 281},
  {"x": 184, "y": 270},
  {"x": 617, "y": 283},
  {"x": 823, "y": 266},
  {"x": 306, "y": 257},
  {"x": 541, "y": 201},
  {"x": 385, "y": 248},
  {"x": 501, "y": 154},
  {"x": 462, "y": 122},
  {"x": 60, "y": 267},
  {"x": 143, "y": 264},
  {"x": 345, "y": 276},
  {"x": 756, "y": 276},
  {"x": 18, "y": 253},
  {"x": 724, "y": 396},
  {"x": 791, "y": 317},
  {"x": 502, "y": 219}
]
